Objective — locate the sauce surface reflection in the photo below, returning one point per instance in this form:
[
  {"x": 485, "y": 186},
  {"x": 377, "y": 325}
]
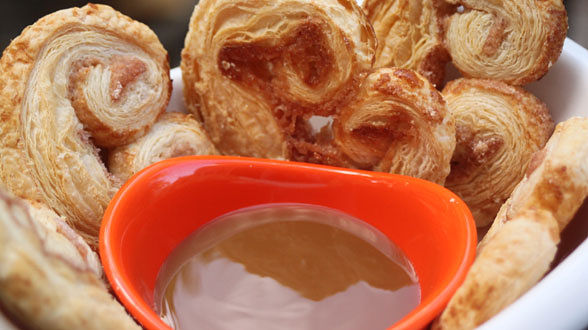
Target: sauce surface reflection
[{"x": 286, "y": 266}]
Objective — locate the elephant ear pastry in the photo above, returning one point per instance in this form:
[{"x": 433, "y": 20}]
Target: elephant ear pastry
[
  {"x": 498, "y": 128},
  {"x": 49, "y": 277},
  {"x": 76, "y": 80},
  {"x": 519, "y": 247},
  {"x": 515, "y": 41},
  {"x": 410, "y": 35},
  {"x": 399, "y": 123},
  {"x": 173, "y": 135},
  {"x": 257, "y": 71}
]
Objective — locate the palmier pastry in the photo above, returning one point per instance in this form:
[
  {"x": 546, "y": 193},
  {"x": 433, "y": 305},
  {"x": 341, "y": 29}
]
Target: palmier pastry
[
  {"x": 410, "y": 35},
  {"x": 49, "y": 277},
  {"x": 515, "y": 41},
  {"x": 498, "y": 128},
  {"x": 399, "y": 123},
  {"x": 258, "y": 90},
  {"x": 256, "y": 71},
  {"x": 77, "y": 79},
  {"x": 173, "y": 135},
  {"x": 521, "y": 243}
]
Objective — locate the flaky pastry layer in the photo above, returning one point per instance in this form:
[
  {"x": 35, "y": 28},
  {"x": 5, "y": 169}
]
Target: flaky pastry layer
[
  {"x": 293, "y": 79},
  {"x": 410, "y": 35},
  {"x": 521, "y": 244},
  {"x": 173, "y": 135},
  {"x": 49, "y": 277},
  {"x": 256, "y": 71},
  {"x": 498, "y": 128},
  {"x": 515, "y": 41},
  {"x": 76, "y": 80},
  {"x": 399, "y": 123}
]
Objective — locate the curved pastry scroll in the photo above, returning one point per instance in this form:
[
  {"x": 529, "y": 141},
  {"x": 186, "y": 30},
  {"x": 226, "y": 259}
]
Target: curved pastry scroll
[
  {"x": 399, "y": 123},
  {"x": 173, "y": 135},
  {"x": 77, "y": 79},
  {"x": 260, "y": 72},
  {"x": 49, "y": 278},
  {"x": 410, "y": 35},
  {"x": 498, "y": 128},
  {"x": 256, "y": 71},
  {"x": 519, "y": 247},
  {"x": 514, "y": 41}
]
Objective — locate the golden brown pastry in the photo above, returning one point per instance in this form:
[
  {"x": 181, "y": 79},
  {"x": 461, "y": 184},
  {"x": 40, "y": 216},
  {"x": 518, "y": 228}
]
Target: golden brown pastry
[
  {"x": 76, "y": 79},
  {"x": 498, "y": 128},
  {"x": 256, "y": 71},
  {"x": 515, "y": 41},
  {"x": 410, "y": 35},
  {"x": 521, "y": 243},
  {"x": 292, "y": 79},
  {"x": 49, "y": 277},
  {"x": 556, "y": 180},
  {"x": 513, "y": 262},
  {"x": 173, "y": 135},
  {"x": 399, "y": 123}
]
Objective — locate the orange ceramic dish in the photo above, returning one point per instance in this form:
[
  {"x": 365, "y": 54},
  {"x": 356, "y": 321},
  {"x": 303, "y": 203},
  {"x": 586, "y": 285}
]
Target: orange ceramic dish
[{"x": 161, "y": 205}]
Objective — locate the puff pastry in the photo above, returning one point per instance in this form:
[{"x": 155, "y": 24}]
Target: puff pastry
[
  {"x": 256, "y": 71},
  {"x": 49, "y": 277},
  {"x": 262, "y": 74},
  {"x": 76, "y": 79},
  {"x": 515, "y": 41},
  {"x": 521, "y": 243},
  {"x": 410, "y": 35},
  {"x": 498, "y": 128},
  {"x": 400, "y": 124},
  {"x": 173, "y": 135}
]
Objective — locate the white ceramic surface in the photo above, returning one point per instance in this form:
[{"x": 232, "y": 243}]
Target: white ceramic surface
[{"x": 560, "y": 300}]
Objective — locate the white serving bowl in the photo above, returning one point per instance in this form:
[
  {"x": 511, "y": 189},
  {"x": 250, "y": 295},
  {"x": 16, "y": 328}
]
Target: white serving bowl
[{"x": 560, "y": 300}]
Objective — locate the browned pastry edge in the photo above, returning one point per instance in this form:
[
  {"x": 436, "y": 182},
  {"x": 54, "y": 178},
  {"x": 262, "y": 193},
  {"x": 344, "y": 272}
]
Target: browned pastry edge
[
  {"x": 432, "y": 65},
  {"x": 556, "y": 24},
  {"x": 17, "y": 169},
  {"x": 484, "y": 145}
]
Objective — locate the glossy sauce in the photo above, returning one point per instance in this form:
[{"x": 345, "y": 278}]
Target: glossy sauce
[{"x": 286, "y": 266}]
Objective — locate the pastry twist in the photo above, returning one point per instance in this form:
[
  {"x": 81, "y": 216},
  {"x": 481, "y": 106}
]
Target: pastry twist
[
  {"x": 410, "y": 35},
  {"x": 399, "y": 123},
  {"x": 173, "y": 135},
  {"x": 256, "y": 71},
  {"x": 49, "y": 277},
  {"x": 519, "y": 247},
  {"x": 498, "y": 128},
  {"x": 265, "y": 75},
  {"x": 77, "y": 79},
  {"x": 515, "y": 41}
]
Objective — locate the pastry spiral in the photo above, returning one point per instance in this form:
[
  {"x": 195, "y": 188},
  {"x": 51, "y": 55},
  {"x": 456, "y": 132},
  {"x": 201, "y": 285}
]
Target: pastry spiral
[
  {"x": 410, "y": 35},
  {"x": 262, "y": 74},
  {"x": 257, "y": 71},
  {"x": 519, "y": 247},
  {"x": 399, "y": 123},
  {"x": 77, "y": 79},
  {"x": 515, "y": 41},
  {"x": 173, "y": 135},
  {"x": 49, "y": 277},
  {"x": 498, "y": 128}
]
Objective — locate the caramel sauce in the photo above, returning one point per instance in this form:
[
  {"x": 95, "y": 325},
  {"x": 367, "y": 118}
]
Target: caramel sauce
[{"x": 286, "y": 266}]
